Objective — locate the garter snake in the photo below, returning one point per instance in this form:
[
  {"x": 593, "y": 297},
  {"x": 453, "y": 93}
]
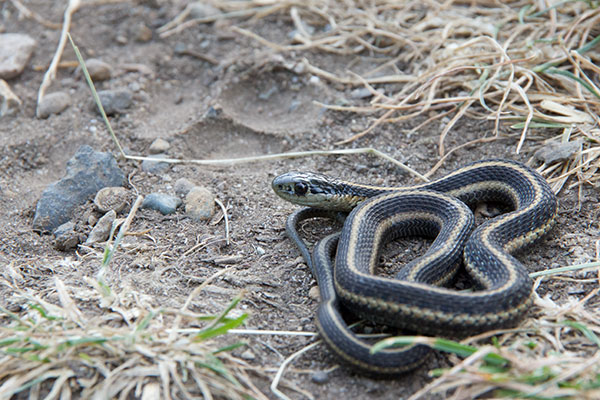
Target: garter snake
[{"x": 415, "y": 299}]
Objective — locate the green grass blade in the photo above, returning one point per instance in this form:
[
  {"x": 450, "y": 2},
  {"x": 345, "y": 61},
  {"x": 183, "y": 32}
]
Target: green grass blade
[
  {"x": 587, "y": 47},
  {"x": 587, "y": 332},
  {"x": 569, "y": 74},
  {"x": 445, "y": 345},
  {"x": 42, "y": 311},
  {"x": 88, "y": 78},
  {"x": 228, "y": 348},
  {"x": 221, "y": 329}
]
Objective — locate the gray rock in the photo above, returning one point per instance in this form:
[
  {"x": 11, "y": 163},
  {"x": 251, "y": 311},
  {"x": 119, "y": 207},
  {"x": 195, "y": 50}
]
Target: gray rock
[
  {"x": 159, "y": 146},
  {"x": 67, "y": 227},
  {"x": 201, "y": 9},
  {"x": 363, "y": 93},
  {"x": 183, "y": 187},
  {"x": 320, "y": 377},
  {"x": 199, "y": 203},
  {"x": 164, "y": 203},
  {"x": 360, "y": 93},
  {"x": 53, "y": 103},
  {"x": 155, "y": 167},
  {"x": 15, "y": 51},
  {"x": 557, "y": 152},
  {"x": 248, "y": 355},
  {"x": 87, "y": 172},
  {"x": 115, "y": 101},
  {"x": 101, "y": 230},
  {"x": 111, "y": 198},
  {"x": 98, "y": 69}
]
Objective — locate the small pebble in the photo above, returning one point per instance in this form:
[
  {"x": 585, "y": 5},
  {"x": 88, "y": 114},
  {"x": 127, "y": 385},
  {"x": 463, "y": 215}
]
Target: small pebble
[
  {"x": 212, "y": 112},
  {"x": 101, "y": 231},
  {"x": 320, "y": 377},
  {"x": 135, "y": 87},
  {"x": 360, "y": 93},
  {"x": 111, "y": 198},
  {"x": 260, "y": 251},
  {"x": 65, "y": 237},
  {"x": 67, "y": 227},
  {"x": 557, "y": 152},
  {"x": 199, "y": 203},
  {"x": 363, "y": 93},
  {"x": 200, "y": 9},
  {"x": 142, "y": 33},
  {"x": 92, "y": 219},
  {"x": 155, "y": 167},
  {"x": 15, "y": 51},
  {"x": 159, "y": 146},
  {"x": 115, "y": 101},
  {"x": 248, "y": 355},
  {"x": 265, "y": 95},
  {"x": 180, "y": 48},
  {"x": 313, "y": 293},
  {"x": 66, "y": 242},
  {"x": 294, "y": 106},
  {"x": 53, "y": 103},
  {"x": 299, "y": 68},
  {"x": 164, "y": 203},
  {"x": 98, "y": 69},
  {"x": 183, "y": 187}
]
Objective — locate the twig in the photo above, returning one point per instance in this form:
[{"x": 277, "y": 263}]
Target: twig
[
  {"x": 51, "y": 72},
  {"x": 224, "y": 209},
  {"x": 284, "y": 365}
]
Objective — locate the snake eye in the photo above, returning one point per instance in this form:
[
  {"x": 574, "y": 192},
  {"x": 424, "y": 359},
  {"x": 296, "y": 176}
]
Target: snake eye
[{"x": 300, "y": 188}]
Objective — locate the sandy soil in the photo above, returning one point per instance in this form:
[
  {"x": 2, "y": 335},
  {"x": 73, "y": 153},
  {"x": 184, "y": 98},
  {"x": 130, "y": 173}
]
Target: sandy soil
[{"x": 247, "y": 104}]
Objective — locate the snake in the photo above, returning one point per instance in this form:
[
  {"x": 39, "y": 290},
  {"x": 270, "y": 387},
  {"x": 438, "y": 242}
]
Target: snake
[{"x": 417, "y": 298}]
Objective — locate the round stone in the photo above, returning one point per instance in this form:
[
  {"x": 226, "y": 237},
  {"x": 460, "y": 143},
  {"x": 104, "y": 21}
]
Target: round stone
[
  {"x": 111, "y": 198},
  {"x": 98, "y": 69},
  {"x": 53, "y": 103},
  {"x": 199, "y": 203}
]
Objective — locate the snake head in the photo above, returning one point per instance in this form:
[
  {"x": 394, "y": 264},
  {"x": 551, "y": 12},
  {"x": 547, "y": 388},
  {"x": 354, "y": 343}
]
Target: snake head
[{"x": 313, "y": 190}]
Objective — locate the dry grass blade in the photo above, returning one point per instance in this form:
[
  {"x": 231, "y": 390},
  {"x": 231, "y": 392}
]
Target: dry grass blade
[{"x": 51, "y": 72}]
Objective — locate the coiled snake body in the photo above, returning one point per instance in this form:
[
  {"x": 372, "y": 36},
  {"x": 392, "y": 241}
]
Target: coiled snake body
[{"x": 416, "y": 299}]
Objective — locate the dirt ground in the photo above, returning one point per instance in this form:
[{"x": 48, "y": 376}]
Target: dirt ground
[{"x": 250, "y": 102}]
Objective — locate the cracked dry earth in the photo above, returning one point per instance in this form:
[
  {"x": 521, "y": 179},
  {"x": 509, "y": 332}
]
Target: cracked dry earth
[{"x": 250, "y": 103}]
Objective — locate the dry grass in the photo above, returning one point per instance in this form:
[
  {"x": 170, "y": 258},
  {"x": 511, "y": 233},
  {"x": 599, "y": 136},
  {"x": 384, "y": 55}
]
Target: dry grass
[
  {"x": 124, "y": 348},
  {"x": 532, "y": 65},
  {"x": 157, "y": 352}
]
